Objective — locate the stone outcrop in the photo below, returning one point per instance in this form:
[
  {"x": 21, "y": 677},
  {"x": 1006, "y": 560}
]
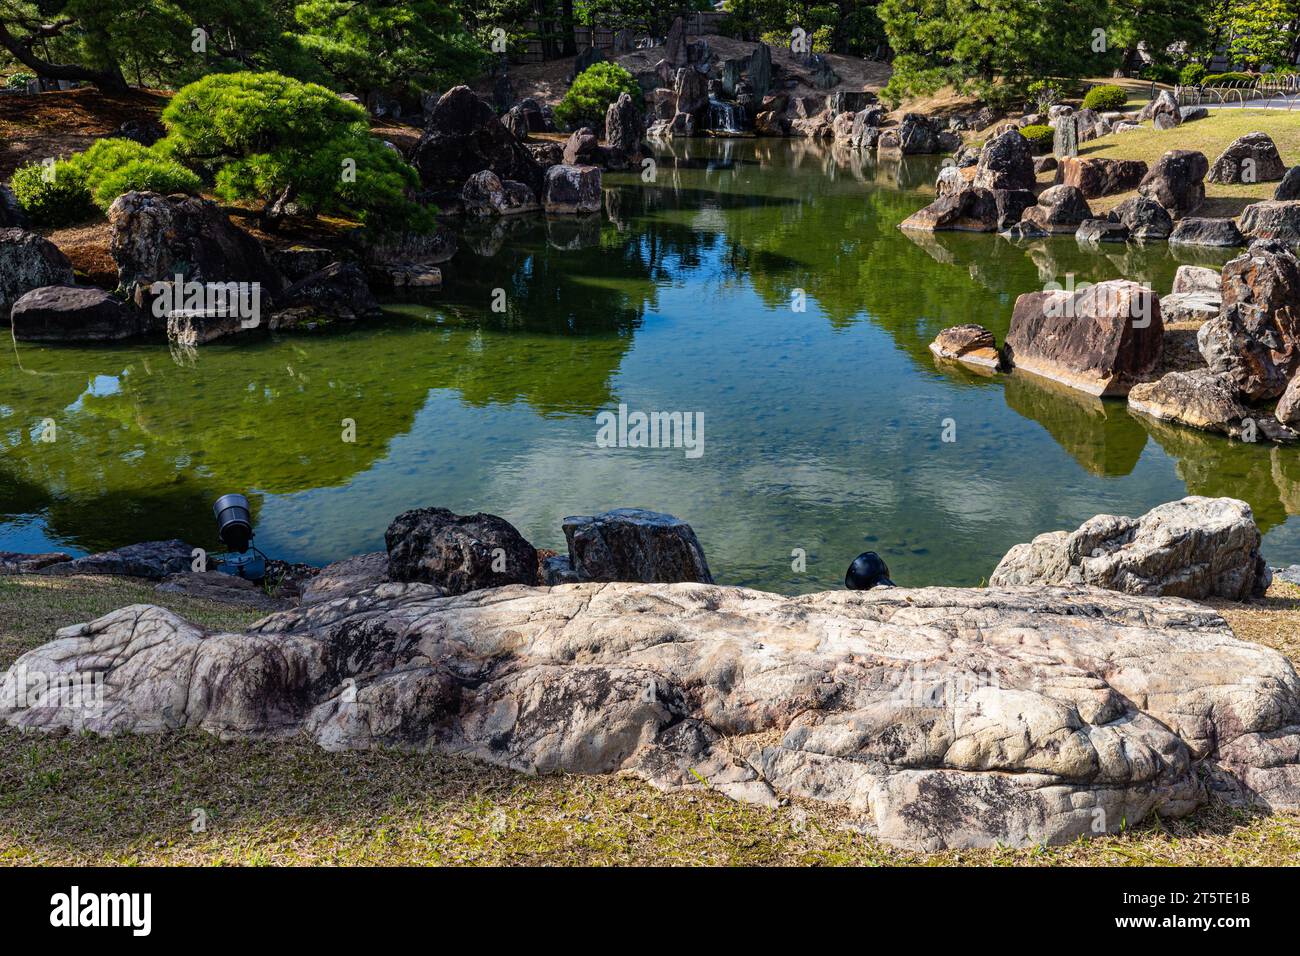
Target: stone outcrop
[
  {"x": 458, "y": 553},
  {"x": 914, "y": 135},
  {"x": 1251, "y": 159},
  {"x": 1099, "y": 177},
  {"x": 485, "y": 194},
  {"x": 1199, "y": 398},
  {"x": 154, "y": 560},
  {"x": 463, "y": 136},
  {"x": 1274, "y": 220},
  {"x": 934, "y": 718},
  {"x": 1289, "y": 187},
  {"x": 1197, "y": 279},
  {"x": 1177, "y": 181},
  {"x": 346, "y": 577},
  {"x": 969, "y": 344},
  {"x": 337, "y": 293},
  {"x": 625, "y": 129},
  {"x": 1060, "y": 209},
  {"x": 67, "y": 313},
  {"x": 1145, "y": 218},
  {"x": 28, "y": 261},
  {"x": 972, "y": 210},
  {"x": 631, "y": 544},
  {"x": 572, "y": 189},
  {"x": 1006, "y": 162},
  {"x": 527, "y": 116},
  {"x": 1207, "y": 232},
  {"x": 1163, "y": 111},
  {"x": 1093, "y": 231},
  {"x": 1100, "y": 339},
  {"x": 1194, "y": 548},
  {"x": 156, "y": 238}
]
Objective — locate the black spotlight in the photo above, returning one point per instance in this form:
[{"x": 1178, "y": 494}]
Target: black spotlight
[
  {"x": 234, "y": 523},
  {"x": 866, "y": 572}
]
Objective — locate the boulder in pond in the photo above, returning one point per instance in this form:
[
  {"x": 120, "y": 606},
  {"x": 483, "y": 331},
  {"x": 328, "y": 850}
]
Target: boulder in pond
[
  {"x": 1146, "y": 219},
  {"x": 1288, "y": 406},
  {"x": 337, "y": 293},
  {"x": 632, "y": 544},
  {"x": 916, "y": 135},
  {"x": 920, "y": 714},
  {"x": 1101, "y": 339},
  {"x": 1060, "y": 209},
  {"x": 572, "y": 189},
  {"x": 149, "y": 559},
  {"x": 1270, "y": 219},
  {"x": 1006, "y": 162},
  {"x": 625, "y": 128},
  {"x": 28, "y": 261},
  {"x": 972, "y": 210},
  {"x": 463, "y": 136},
  {"x": 458, "y": 553},
  {"x": 1198, "y": 398},
  {"x": 1099, "y": 177},
  {"x": 969, "y": 344},
  {"x": 68, "y": 313},
  {"x": 484, "y": 194},
  {"x": 1219, "y": 233},
  {"x": 1177, "y": 181},
  {"x": 1093, "y": 231},
  {"x": 1252, "y": 158},
  {"x": 20, "y": 562},
  {"x": 1193, "y": 548}
]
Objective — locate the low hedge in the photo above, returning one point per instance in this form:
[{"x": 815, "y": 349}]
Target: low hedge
[{"x": 1105, "y": 98}]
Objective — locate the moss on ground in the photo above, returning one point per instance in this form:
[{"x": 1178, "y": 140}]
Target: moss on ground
[{"x": 138, "y": 800}]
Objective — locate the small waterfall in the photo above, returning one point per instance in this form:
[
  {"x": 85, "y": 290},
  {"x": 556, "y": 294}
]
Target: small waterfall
[{"x": 726, "y": 119}]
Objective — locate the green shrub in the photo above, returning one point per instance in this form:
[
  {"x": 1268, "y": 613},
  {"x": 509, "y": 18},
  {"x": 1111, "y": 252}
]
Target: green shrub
[
  {"x": 1193, "y": 74},
  {"x": 1045, "y": 94},
  {"x": 19, "y": 81},
  {"x": 1105, "y": 98},
  {"x": 266, "y": 137},
  {"x": 1160, "y": 73},
  {"x": 1227, "y": 79},
  {"x": 1040, "y": 137},
  {"x": 149, "y": 174},
  {"x": 592, "y": 92},
  {"x": 52, "y": 195}
]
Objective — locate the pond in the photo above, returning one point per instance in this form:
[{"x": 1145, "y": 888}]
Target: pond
[{"x": 760, "y": 286}]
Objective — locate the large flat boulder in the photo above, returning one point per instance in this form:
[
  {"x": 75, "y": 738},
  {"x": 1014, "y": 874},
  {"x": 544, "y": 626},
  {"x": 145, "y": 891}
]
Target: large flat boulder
[
  {"x": 1100, "y": 177},
  {"x": 1199, "y": 398},
  {"x": 1177, "y": 181},
  {"x": 458, "y": 553},
  {"x": 1194, "y": 548},
  {"x": 1252, "y": 158},
  {"x": 633, "y": 544},
  {"x": 68, "y": 313},
  {"x": 28, "y": 261},
  {"x": 155, "y": 560},
  {"x": 935, "y": 718},
  {"x": 972, "y": 209},
  {"x": 572, "y": 190},
  {"x": 1221, "y": 233},
  {"x": 1273, "y": 220},
  {"x": 1100, "y": 339}
]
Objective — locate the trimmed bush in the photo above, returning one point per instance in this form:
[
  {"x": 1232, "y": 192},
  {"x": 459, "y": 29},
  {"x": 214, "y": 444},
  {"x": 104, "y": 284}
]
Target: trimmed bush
[
  {"x": 1039, "y": 136},
  {"x": 52, "y": 195},
  {"x": 592, "y": 92},
  {"x": 1105, "y": 98},
  {"x": 1228, "y": 79},
  {"x": 1193, "y": 74},
  {"x": 149, "y": 174},
  {"x": 281, "y": 142}
]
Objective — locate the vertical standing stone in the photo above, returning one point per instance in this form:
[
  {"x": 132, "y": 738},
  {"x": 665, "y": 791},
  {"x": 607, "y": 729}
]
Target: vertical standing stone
[
  {"x": 760, "y": 71},
  {"x": 730, "y": 77},
  {"x": 1066, "y": 140}
]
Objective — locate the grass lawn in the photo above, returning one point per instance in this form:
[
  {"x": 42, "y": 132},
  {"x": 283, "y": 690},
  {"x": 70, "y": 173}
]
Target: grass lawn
[
  {"x": 136, "y": 800},
  {"x": 1211, "y": 136}
]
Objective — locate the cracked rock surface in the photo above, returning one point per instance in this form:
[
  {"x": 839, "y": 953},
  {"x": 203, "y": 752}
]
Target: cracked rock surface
[{"x": 940, "y": 717}]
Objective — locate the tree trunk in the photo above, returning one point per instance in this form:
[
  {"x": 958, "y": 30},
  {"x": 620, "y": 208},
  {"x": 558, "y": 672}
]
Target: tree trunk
[
  {"x": 568, "y": 46},
  {"x": 109, "y": 80}
]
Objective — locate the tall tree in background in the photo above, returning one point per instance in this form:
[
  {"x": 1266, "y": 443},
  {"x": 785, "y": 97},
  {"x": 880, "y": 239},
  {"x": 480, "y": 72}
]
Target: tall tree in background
[{"x": 1259, "y": 33}]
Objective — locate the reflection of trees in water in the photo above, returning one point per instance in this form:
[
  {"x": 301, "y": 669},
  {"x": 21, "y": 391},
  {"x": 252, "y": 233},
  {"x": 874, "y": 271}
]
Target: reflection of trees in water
[{"x": 1265, "y": 476}]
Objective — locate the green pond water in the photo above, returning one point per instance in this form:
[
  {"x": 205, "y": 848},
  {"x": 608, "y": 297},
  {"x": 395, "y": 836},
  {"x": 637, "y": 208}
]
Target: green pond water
[{"x": 823, "y": 428}]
